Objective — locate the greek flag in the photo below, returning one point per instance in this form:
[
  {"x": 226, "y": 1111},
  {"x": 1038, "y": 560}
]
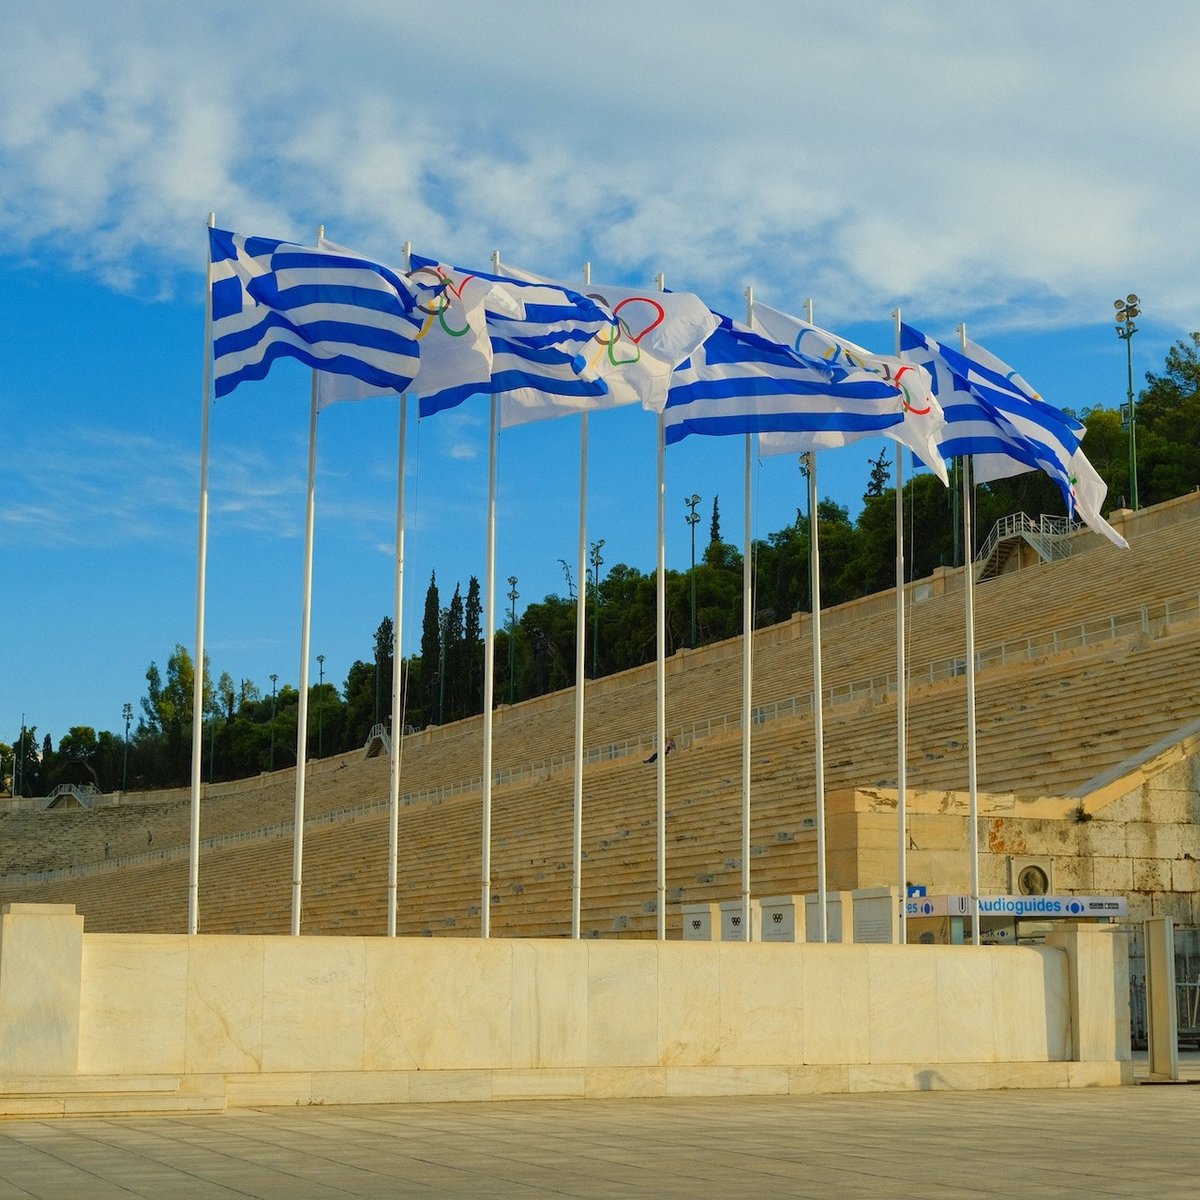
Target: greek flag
[
  {"x": 1005, "y": 427},
  {"x": 537, "y": 332},
  {"x": 741, "y": 382},
  {"x": 330, "y": 308},
  {"x": 917, "y": 416},
  {"x": 651, "y": 333}
]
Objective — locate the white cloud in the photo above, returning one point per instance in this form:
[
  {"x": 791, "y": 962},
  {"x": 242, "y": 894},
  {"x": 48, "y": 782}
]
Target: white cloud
[{"x": 947, "y": 155}]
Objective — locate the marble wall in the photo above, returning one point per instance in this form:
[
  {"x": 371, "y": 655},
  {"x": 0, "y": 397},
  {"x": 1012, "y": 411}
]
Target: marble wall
[{"x": 306, "y": 1019}]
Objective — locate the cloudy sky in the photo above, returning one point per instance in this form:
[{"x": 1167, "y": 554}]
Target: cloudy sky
[{"x": 1015, "y": 166}]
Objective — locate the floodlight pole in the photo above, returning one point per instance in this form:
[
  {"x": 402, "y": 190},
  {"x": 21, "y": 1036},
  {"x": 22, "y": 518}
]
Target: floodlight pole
[
  {"x": 692, "y": 519},
  {"x": 513, "y": 596},
  {"x": 1127, "y": 309}
]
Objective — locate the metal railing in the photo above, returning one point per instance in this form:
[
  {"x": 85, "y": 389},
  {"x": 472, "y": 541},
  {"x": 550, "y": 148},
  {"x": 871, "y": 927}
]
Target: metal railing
[
  {"x": 1048, "y": 534},
  {"x": 1129, "y": 623}
]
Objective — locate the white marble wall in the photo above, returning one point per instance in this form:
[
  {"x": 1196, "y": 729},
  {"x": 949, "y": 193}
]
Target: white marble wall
[
  {"x": 40, "y": 952},
  {"x": 289, "y": 1020},
  {"x": 257, "y": 1004}
]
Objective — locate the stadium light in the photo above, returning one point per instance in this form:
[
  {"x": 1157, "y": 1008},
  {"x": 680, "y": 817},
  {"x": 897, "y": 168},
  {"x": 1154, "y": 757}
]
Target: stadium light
[
  {"x": 597, "y": 563},
  {"x": 1127, "y": 309},
  {"x": 127, "y": 713},
  {"x": 320, "y": 704},
  {"x": 513, "y": 596},
  {"x": 692, "y": 519},
  {"x": 274, "y": 681}
]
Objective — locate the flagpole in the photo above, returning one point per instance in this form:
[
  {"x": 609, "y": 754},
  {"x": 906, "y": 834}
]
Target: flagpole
[
  {"x": 397, "y": 665},
  {"x": 201, "y": 574},
  {"x": 901, "y": 693},
  {"x": 397, "y": 680},
  {"x": 660, "y": 680},
  {"x": 489, "y": 666},
  {"x": 818, "y": 697},
  {"x": 305, "y": 627},
  {"x": 969, "y": 590},
  {"x": 818, "y": 685},
  {"x": 747, "y": 663},
  {"x": 580, "y": 660}
]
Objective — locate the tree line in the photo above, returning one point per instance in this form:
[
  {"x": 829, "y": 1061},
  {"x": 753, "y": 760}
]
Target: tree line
[{"x": 248, "y": 729}]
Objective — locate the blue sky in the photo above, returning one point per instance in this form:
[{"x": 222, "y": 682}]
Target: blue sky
[{"x": 1016, "y": 166}]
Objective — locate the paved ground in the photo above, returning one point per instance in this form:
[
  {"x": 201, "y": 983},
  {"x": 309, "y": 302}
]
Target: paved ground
[{"x": 1135, "y": 1142}]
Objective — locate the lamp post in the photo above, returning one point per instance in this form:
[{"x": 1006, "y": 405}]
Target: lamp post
[
  {"x": 692, "y": 519},
  {"x": 1127, "y": 309},
  {"x": 127, "y": 713},
  {"x": 597, "y": 563},
  {"x": 274, "y": 681},
  {"x": 320, "y": 705},
  {"x": 513, "y": 595}
]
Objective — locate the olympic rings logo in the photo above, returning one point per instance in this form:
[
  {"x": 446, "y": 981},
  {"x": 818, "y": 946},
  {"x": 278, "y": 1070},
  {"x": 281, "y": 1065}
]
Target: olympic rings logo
[
  {"x": 837, "y": 355},
  {"x": 442, "y": 288},
  {"x": 620, "y": 344}
]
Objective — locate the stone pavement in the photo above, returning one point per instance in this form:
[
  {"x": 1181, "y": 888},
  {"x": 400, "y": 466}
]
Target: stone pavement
[{"x": 1133, "y": 1142}]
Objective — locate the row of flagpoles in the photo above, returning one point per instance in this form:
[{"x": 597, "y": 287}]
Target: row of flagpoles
[{"x": 536, "y": 349}]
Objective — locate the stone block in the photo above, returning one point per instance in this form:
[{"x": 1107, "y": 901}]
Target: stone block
[
  {"x": 1144, "y": 840},
  {"x": 1151, "y": 875},
  {"x": 41, "y": 971},
  {"x": 1112, "y": 876}
]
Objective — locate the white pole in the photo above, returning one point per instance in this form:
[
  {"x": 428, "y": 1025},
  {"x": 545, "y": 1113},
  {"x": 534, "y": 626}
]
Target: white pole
[
  {"x": 818, "y": 686},
  {"x": 901, "y": 693},
  {"x": 818, "y": 698},
  {"x": 969, "y": 590},
  {"x": 201, "y": 574},
  {"x": 660, "y": 679},
  {"x": 489, "y": 666},
  {"x": 397, "y": 682},
  {"x": 397, "y": 665},
  {"x": 305, "y": 626},
  {"x": 660, "y": 693},
  {"x": 747, "y": 662},
  {"x": 580, "y": 661}
]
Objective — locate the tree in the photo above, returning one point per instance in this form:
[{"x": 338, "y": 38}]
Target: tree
[
  {"x": 384, "y": 650},
  {"x": 456, "y": 664},
  {"x": 226, "y": 694},
  {"x": 880, "y": 470},
  {"x": 431, "y": 645},
  {"x": 77, "y": 758},
  {"x": 1168, "y": 426},
  {"x": 359, "y": 692},
  {"x": 27, "y": 764},
  {"x": 714, "y": 530},
  {"x": 473, "y": 647},
  {"x": 167, "y": 708}
]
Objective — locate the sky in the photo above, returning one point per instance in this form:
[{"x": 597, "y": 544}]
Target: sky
[{"x": 1013, "y": 166}]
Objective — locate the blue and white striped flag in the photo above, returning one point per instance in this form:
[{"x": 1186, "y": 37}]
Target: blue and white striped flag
[
  {"x": 330, "y": 309},
  {"x": 652, "y": 332},
  {"x": 1005, "y": 427},
  {"x": 917, "y": 416},
  {"x": 741, "y": 382},
  {"x": 537, "y": 332}
]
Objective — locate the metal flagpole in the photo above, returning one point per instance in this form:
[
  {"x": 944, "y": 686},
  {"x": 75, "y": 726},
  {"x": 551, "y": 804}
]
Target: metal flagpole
[
  {"x": 397, "y": 665},
  {"x": 580, "y": 660},
  {"x": 747, "y": 664},
  {"x": 397, "y": 681},
  {"x": 969, "y": 590},
  {"x": 305, "y": 624},
  {"x": 660, "y": 681},
  {"x": 818, "y": 687},
  {"x": 489, "y": 666},
  {"x": 901, "y": 692},
  {"x": 201, "y": 574}
]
